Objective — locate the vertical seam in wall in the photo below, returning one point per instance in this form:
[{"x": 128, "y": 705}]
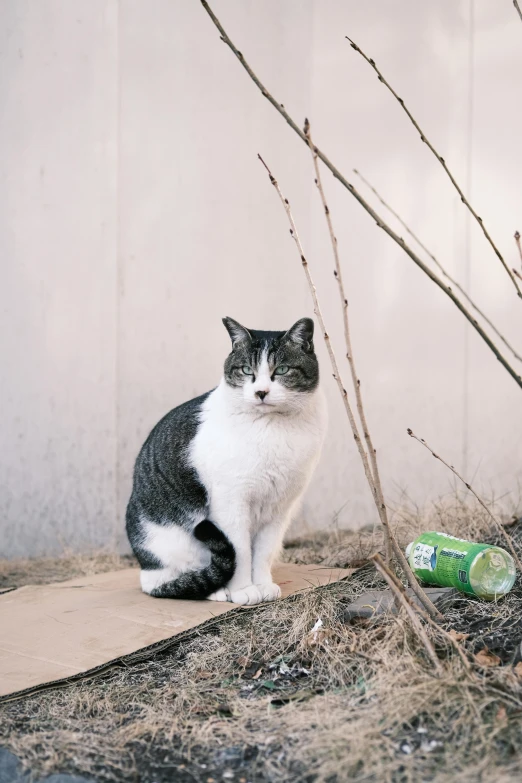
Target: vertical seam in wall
[
  {"x": 467, "y": 245},
  {"x": 116, "y": 520},
  {"x": 304, "y": 291},
  {"x": 305, "y": 522}
]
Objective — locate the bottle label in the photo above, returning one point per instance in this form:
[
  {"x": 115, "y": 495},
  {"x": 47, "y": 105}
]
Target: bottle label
[{"x": 424, "y": 557}]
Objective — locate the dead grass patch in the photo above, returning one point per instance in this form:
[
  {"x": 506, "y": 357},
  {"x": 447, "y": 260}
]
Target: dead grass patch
[
  {"x": 43, "y": 570},
  {"x": 259, "y": 697}
]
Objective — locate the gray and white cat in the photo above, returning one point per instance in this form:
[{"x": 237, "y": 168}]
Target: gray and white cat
[{"x": 219, "y": 478}]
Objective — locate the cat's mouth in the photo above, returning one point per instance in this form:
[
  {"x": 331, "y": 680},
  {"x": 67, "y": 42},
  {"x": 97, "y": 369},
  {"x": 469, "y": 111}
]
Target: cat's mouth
[{"x": 263, "y": 404}]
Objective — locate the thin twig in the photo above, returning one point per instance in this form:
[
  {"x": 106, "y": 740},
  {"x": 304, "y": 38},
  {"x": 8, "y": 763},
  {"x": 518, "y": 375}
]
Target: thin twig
[
  {"x": 439, "y": 158},
  {"x": 454, "y": 643},
  {"x": 355, "y": 193},
  {"x": 412, "y": 579},
  {"x": 468, "y": 486},
  {"x": 515, "y": 3},
  {"x": 428, "y": 619},
  {"x": 419, "y": 592},
  {"x": 517, "y": 274},
  {"x": 517, "y": 241},
  {"x": 439, "y": 265},
  {"x": 326, "y": 336},
  {"x": 390, "y": 540},
  {"x": 349, "y": 351},
  {"x": 402, "y": 600}
]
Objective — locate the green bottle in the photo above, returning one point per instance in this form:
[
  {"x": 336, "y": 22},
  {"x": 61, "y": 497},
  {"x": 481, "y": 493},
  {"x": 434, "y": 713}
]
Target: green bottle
[{"x": 480, "y": 569}]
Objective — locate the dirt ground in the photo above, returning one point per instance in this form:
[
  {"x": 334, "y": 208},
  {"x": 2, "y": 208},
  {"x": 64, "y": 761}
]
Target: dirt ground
[{"x": 261, "y": 697}]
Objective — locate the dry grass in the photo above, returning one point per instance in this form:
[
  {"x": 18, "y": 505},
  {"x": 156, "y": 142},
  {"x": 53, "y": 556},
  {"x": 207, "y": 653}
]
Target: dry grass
[
  {"x": 345, "y": 548},
  {"x": 42, "y": 570},
  {"x": 258, "y": 697}
]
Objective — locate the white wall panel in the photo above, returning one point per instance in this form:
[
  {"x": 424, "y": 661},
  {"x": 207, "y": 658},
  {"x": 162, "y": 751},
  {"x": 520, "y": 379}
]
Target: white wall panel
[
  {"x": 134, "y": 215},
  {"x": 57, "y": 253}
]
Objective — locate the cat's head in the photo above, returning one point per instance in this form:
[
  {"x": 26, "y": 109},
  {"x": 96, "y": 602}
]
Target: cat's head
[{"x": 272, "y": 372}]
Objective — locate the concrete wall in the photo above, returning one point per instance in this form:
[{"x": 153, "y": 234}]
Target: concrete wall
[{"x": 134, "y": 215}]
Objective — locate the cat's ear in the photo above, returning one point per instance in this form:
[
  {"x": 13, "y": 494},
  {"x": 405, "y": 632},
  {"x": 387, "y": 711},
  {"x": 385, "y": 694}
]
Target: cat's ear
[
  {"x": 302, "y": 333},
  {"x": 238, "y": 334}
]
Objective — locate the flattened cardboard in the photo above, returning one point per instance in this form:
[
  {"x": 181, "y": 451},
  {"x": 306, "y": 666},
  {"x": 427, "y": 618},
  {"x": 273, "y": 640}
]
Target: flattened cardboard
[{"x": 59, "y": 632}]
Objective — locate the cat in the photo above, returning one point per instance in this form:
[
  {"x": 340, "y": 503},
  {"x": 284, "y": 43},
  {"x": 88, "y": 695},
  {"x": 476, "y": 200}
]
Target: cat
[{"x": 219, "y": 478}]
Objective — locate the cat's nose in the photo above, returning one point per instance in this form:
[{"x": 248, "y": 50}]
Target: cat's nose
[{"x": 261, "y": 394}]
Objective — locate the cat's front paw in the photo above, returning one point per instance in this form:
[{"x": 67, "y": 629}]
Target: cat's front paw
[
  {"x": 269, "y": 590},
  {"x": 247, "y": 596},
  {"x": 220, "y": 595},
  {"x": 255, "y": 594}
]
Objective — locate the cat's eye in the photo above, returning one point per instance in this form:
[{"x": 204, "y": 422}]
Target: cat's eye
[
  {"x": 282, "y": 369},
  {"x": 247, "y": 370}
]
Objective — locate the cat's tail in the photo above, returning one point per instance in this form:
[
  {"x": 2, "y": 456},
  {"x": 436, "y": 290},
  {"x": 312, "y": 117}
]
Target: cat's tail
[{"x": 196, "y": 585}]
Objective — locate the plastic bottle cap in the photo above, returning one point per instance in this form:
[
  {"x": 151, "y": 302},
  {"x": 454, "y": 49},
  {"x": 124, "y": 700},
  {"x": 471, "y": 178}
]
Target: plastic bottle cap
[{"x": 408, "y": 549}]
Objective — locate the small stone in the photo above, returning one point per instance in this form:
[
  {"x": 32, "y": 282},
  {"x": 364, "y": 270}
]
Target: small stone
[
  {"x": 11, "y": 771},
  {"x": 376, "y": 602},
  {"x": 62, "y": 778},
  {"x": 10, "y": 768}
]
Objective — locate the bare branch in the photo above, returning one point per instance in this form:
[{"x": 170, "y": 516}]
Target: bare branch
[
  {"x": 381, "y": 508},
  {"x": 410, "y": 611},
  {"x": 517, "y": 241},
  {"x": 349, "y": 351},
  {"x": 500, "y": 528},
  {"x": 515, "y": 3},
  {"x": 317, "y": 310},
  {"x": 426, "y": 616},
  {"x": 439, "y": 158},
  {"x": 439, "y": 265},
  {"x": 355, "y": 193}
]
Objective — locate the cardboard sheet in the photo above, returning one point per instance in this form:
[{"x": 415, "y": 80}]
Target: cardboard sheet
[{"x": 60, "y": 632}]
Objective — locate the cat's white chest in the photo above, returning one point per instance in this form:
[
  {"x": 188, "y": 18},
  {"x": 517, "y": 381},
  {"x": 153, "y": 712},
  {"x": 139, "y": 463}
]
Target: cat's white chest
[{"x": 262, "y": 463}]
